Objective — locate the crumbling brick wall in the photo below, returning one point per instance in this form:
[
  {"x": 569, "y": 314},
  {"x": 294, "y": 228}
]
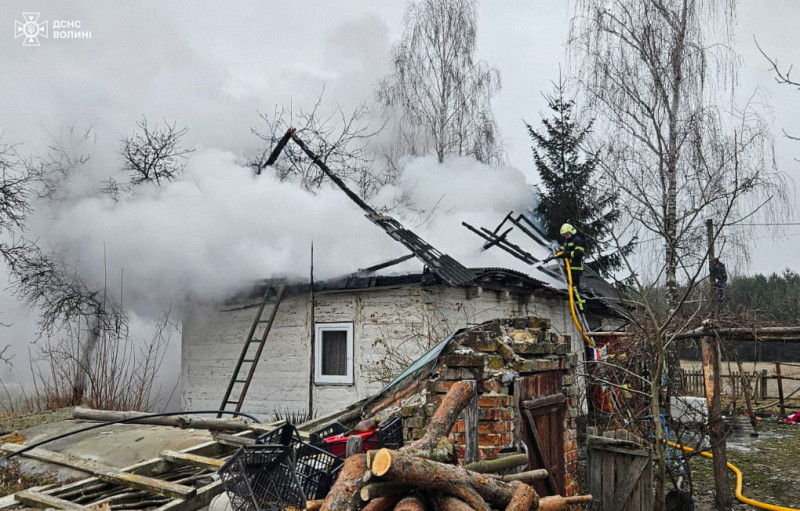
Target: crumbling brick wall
[{"x": 496, "y": 355}]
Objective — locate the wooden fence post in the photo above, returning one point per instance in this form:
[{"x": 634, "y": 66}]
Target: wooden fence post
[
  {"x": 763, "y": 384},
  {"x": 780, "y": 388}
]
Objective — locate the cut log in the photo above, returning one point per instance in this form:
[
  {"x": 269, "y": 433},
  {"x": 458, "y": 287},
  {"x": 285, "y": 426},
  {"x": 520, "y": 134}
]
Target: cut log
[
  {"x": 529, "y": 477},
  {"x": 370, "y": 455},
  {"x": 498, "y": 464},
  {"x": 558, "y": 503},
  {"x": 434, "y": 444},
  {"x": 448, "y": 503},
  {"x": 313, "y": 505},
  {"x": 344, "y": 493},
  {"x": 410, "y": 503},
  {"x": 452, "y": 480},
  {"x": 524, "y": 498},
  {"x": 382, "y": 503},
  {"x": 374, "y": 490}
]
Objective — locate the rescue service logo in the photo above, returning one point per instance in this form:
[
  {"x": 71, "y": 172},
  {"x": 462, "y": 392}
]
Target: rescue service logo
[{"x": 30, "y": 29}]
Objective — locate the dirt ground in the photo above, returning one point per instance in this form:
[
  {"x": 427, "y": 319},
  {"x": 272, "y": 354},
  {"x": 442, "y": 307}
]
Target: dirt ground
[{"x": 769, "y": 465}]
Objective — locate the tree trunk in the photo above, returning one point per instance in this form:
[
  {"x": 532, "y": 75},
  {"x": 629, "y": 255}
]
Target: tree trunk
[
  {"x": 434, "y": 444},
  {"x": 558, "y": 503},
  {"x": 722, "y": 489},
  {"x": 455, "y": 481},
  {"x": 529, "y": 477},
  {"x": 410, "y": 503},
  {"x": 344, "y": 493},
  {"x": 498, "y": 464},
  {"x": 448, "y": 503},
  {"x": 524, "y": 498},
  {"x": 382, "y": 503}
]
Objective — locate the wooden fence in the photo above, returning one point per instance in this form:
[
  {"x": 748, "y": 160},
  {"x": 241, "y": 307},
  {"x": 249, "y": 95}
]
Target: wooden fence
[
  {"x": 692, "y": 383},
  {"x": 620, "y": 475}
]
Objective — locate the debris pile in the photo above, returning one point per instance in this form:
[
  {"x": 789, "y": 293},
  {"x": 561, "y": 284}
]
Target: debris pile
[{"x": 423, "y": 475}]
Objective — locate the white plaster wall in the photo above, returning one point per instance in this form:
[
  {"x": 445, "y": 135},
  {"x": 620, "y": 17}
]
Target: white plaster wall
[{"x": 213, "y": 339}]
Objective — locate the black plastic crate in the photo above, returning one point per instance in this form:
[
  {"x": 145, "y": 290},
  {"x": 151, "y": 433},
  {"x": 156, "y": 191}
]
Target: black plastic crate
[
  {"x": 389, "y": 435},
  {"x": 315, "y": 467},
  {"x": 263, "y": 477},
  {"x": 334, "y": 428},
  {"x": 282, "y": 435}
]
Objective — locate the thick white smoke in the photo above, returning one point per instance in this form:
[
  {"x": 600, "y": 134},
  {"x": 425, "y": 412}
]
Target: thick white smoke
[{"x": 220, "y": 228}]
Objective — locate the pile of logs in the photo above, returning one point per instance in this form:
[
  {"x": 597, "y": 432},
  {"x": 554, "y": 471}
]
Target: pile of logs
[{"x": 423, "y": 476}]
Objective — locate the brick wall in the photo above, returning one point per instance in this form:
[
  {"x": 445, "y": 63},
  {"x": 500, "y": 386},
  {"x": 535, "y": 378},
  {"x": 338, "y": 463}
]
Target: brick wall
[{"x": 481, "y": 356}]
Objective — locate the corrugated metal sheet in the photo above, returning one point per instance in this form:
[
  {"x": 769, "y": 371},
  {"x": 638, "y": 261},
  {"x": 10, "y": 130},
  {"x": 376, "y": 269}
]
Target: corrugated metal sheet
[{"x": 444, "y": 266}]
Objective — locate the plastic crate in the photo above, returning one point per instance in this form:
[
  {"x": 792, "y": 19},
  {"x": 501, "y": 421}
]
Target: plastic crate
[
  {"x": 316, "y": 468},
  {"x": 334, "y": 428},
  {"x": 389, "y": 435},
  {"x": 282, "y": 435},
  {"x": 262, "y": 477}
]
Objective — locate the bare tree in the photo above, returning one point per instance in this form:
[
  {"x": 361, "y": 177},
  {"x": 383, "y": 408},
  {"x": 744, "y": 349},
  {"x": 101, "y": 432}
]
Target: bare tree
[
  {"x": 672, "y": 154},
  {"x": 783, "y": 77},
  {"x": 439, "y": 91},
  {"x": 154, "y": 153},
  {"x": 341, "y": 140}
]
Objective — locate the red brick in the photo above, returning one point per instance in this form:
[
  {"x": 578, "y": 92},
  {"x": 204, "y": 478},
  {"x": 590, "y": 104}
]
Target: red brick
[
  {"x": 461, "y": 451},
  {"x": 442, "y": 386},
  {"x": 493, "y": 427},
  {"x": 506, "y": 438},
  {"x": 494, "y": 401},
  {"x": 489, "y": 440},
  {"x": 459, "y": 427},
  {"x": 488, "y": 453}
]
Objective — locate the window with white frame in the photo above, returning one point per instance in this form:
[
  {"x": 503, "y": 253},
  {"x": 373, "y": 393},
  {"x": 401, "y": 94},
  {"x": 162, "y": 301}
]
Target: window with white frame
[{"x": 333, "y": 353}]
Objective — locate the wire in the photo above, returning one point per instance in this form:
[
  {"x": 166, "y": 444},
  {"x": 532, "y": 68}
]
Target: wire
[{"x": 120, "y": 421}]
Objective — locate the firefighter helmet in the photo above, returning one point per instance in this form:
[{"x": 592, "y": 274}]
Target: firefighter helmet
[{"x": 568, "y": 228}]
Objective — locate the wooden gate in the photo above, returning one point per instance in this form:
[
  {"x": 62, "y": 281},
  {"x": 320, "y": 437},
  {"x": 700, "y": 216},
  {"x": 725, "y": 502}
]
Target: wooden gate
[
  {"x": 620, "y": 475},
  {"x": 542, "y": 406}
]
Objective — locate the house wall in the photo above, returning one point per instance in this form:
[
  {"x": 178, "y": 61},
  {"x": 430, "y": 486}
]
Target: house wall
[{"x": 406, "y": 318}]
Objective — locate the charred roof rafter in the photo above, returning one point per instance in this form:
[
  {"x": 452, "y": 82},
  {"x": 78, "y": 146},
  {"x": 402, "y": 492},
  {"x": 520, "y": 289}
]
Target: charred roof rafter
[{"x": 444, "y": 266}]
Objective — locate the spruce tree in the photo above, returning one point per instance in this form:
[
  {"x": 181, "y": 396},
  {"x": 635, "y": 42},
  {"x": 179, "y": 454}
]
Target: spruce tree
[{"x": 569, "y": 190}]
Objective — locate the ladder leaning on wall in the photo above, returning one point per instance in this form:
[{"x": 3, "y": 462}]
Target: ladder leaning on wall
[{"x": 251, "y": 351}]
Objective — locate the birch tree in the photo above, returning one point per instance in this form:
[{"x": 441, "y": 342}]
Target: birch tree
[
  {"x": 650, "y": 74},
  {"x": 439, "y": 92}
]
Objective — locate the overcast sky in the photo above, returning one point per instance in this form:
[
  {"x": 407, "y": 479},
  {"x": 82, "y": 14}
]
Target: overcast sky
[{"x": 212, "y": 66}]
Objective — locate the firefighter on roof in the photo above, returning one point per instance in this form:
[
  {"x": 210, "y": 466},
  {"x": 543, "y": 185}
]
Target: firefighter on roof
[{"x": 573, "y": 251}]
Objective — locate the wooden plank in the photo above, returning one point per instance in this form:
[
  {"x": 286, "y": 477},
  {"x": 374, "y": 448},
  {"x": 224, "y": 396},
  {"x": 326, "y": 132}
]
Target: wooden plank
[
  {"x": 193, "y": 460},
  {"x": 471, "y": 426},
  {"x": 540, "y": 402},
  {"x": 609, "y": 481},
  {"x": 629, "y": 478},
  {"x": 105, "y": 472},
  {"x": 42, "y": 500},
  {"x": 202, "y": 499},
  {"x": 233, "y": 440},
  {"x": 596, "y": 474},
  {"x": 540, "y": 452}
]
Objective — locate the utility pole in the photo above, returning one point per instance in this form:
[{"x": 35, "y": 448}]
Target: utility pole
[{"x": 711, "y": 367}]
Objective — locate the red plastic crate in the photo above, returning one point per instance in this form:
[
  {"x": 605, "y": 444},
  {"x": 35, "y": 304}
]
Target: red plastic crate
[{"x": 337, "y": 444}]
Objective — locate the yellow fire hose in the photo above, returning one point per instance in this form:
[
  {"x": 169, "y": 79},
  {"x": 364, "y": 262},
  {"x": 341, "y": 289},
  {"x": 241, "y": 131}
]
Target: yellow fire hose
[
  {"x": 738, "y": 493},
  {"x": 572, "y": 306}
]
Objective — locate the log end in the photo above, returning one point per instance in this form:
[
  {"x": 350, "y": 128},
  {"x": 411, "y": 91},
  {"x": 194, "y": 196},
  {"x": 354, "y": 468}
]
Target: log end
[{"x": 381, "y": 462}]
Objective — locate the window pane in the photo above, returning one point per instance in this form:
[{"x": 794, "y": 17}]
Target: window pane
[{"x": 334, "y": 352}]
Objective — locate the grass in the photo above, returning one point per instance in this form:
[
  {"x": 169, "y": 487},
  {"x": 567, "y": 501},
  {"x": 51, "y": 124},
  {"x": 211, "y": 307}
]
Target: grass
[{"x": 769, "y": 468}]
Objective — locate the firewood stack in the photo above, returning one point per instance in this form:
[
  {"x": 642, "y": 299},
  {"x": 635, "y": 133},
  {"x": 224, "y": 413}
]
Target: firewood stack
[{"x": 423, "y": 476}]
